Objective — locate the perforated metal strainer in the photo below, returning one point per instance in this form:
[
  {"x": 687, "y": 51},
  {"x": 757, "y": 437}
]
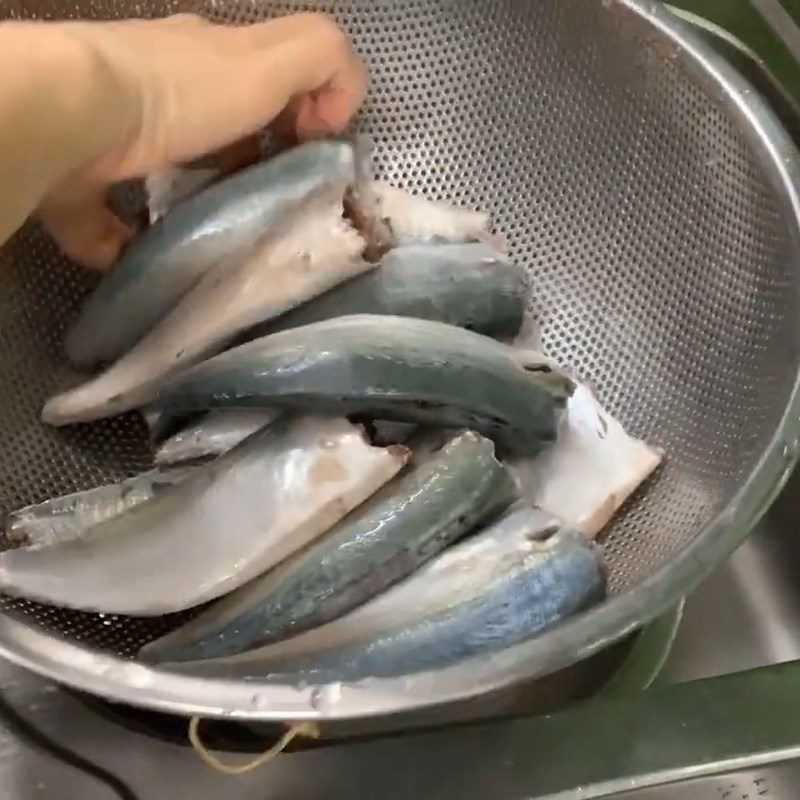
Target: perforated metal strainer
[{"x": 653, "y": 198}]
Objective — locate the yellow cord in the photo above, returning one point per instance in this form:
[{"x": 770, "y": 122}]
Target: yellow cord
[{"x": 309, "y": 729}]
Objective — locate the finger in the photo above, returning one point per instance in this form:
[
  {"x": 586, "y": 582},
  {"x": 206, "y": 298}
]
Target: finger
[
  {"x": 252, "y": 85},
  {"x": 325, "y": 102},
  {"x": 296, "y": 59},
  {"x": 326, "y": 111},
  {"x": 86, "y": 230},
  {"x": 328, "y": 108}
]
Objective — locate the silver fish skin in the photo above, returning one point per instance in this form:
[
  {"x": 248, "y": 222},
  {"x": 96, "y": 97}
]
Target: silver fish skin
[
  {"x": 443, "y": 497},
  {"x": 70, "y": 516},
  {"x": 228, "y": 522},
  {"x": 221, "y": 224},
  {"x": 383, "y": 367},
  {"x": 212, "y": 435},
  {"x": 560, "y": 573}
]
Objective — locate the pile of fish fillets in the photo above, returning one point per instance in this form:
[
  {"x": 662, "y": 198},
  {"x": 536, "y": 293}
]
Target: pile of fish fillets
[{"x": 357, "y": 470}]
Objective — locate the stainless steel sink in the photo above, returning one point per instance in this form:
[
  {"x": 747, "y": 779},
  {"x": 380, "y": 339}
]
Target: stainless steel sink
[{"x": 748, "y": 613}]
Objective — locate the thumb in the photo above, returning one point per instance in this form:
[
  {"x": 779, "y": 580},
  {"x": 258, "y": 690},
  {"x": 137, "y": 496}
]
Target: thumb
[{"x": 85, "y": 229}]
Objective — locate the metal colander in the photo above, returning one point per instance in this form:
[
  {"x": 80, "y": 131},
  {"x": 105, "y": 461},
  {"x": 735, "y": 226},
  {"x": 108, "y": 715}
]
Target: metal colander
[{"x": 652, "y": 197}]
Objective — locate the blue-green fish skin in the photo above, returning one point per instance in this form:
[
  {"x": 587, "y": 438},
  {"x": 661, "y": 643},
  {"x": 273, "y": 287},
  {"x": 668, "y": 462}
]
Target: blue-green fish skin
[
  {"x": 218, "y": 224},
  {"x": 562, "y": 575},
  {"x": 527, "y": 601},
  {"x": 383, "y": 367},
  {"x": 407, "y": 523},
  {"x": 470, "y": 285}
]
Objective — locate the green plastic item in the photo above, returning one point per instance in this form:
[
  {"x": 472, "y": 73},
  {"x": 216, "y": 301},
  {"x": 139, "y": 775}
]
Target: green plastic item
[{"x": 741, "y": 19}]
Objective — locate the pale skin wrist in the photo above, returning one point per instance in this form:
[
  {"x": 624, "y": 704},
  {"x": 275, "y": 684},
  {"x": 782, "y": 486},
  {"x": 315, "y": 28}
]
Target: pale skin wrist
[{"x": 52, "y": 90}]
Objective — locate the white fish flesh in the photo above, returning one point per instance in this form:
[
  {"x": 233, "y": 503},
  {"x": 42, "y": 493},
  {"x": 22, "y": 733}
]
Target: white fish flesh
[
  {"x": 231, "y": 520},
  {"x": 317, "y": 251},
  {"x": 590, "y": 470},
  {"x": 412, "y": 217}
]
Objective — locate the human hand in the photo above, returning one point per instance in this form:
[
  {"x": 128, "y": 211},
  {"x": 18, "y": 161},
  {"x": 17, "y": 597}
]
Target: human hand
[{"x": 167, "y": 91}]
